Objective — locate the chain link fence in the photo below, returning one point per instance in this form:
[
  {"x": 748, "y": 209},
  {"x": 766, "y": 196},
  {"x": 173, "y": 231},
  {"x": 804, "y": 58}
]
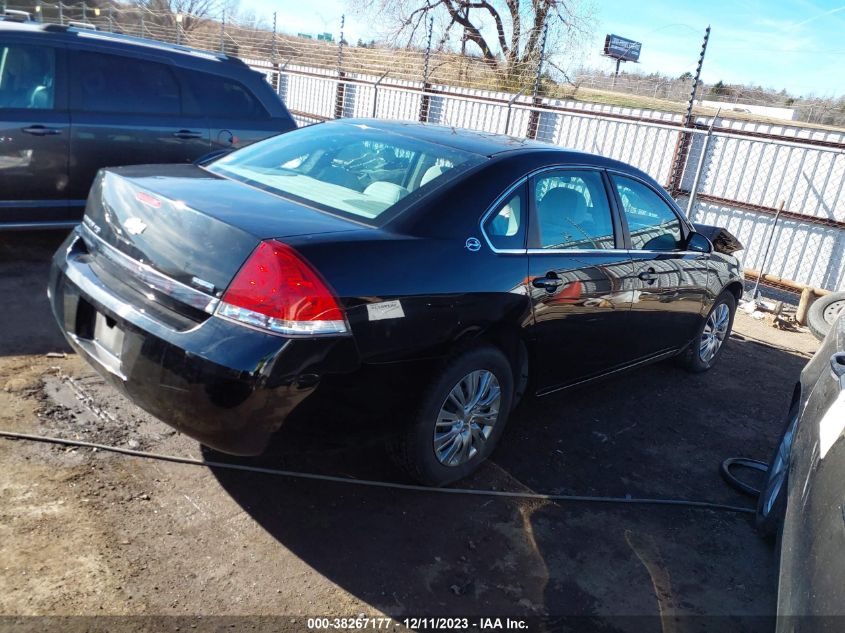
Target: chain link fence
[{"x": 779, "y": 187}]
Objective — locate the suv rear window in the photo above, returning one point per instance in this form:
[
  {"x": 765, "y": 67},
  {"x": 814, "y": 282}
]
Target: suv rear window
[
  {"x": 27, "y": 77},
  {"x": 214, "y": 96},
  {"x": 113, "y": 83}
]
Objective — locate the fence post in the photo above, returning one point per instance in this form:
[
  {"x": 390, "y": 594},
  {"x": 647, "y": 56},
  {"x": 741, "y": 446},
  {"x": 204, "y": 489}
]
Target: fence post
[
  {"x": 222, "y": 30},
  {"x": 274, "y": 58},
  {"x": 340, "y": 91},
  {"x": 61, "y": 13},
  {"x": 700, "y": 168},
  {"x": 679, "y": 160},
  {"x": 142, "y": 22},
  {"x": 84, "y": 12},
  {"x": 510, "y": 105},
  {"x": 534, "y": 117},
  {"x": 111, "y": 19},
  {"x": 425, "y": 99},
  {"x": 375, "y": 91}
]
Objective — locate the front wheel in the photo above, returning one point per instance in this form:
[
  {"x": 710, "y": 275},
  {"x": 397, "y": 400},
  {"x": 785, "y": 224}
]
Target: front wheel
[
  {"x": 461, "y": 417},
  {"x": 707, "y": 346}
]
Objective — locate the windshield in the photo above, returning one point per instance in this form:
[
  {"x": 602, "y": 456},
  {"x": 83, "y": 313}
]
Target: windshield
[{"x": 352, "y": 169}]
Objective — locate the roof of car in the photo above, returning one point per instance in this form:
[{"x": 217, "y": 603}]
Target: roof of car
[
  {"x": 477, "y": 142},
  {"x": 491, "y": 144},
  {"x": 117, "y": 40}
]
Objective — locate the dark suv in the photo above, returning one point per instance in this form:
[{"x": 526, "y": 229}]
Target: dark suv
[{"x": 73, "y": 100}]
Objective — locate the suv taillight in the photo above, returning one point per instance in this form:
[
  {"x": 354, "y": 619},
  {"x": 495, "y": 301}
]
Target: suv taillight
[{"x": 277, "y": 290}]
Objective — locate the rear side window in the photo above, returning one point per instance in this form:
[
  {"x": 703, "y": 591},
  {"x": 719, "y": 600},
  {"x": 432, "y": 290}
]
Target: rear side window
[
  {"x": 505, "y": 227},
  {"x": 573, "y": 211},
  {"x": 27, "y": 77},
  {"x": 112, "y": 83},
  {"x": 215, "y": 96},
  {"x": 652, "y": 223}
]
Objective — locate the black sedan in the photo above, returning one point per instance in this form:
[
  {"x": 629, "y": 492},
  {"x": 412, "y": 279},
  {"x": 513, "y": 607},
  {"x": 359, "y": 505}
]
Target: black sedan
[
  {"x": 802, "y": 501},
  {"x": 478, "y": 267}
]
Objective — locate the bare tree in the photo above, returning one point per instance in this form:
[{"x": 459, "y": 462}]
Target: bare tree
[
  {"x": 505, "y": 34},
  {"x": 194, "y": 12}
]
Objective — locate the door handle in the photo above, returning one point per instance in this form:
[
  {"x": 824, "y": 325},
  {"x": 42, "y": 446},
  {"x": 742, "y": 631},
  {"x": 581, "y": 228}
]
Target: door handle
[
  {"x": 187, "y": 134},
  {"x": 41, "y": 130},
  {"x": 648, "y": 275},
  {"x": 837, "y": 366},
  {"x": 549, "y": 283}
]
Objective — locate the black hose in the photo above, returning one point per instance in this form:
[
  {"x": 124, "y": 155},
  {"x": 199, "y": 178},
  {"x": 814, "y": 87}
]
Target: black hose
[
  {"x": 736, "y": 483},
  {"x": 706, "y": 505}
]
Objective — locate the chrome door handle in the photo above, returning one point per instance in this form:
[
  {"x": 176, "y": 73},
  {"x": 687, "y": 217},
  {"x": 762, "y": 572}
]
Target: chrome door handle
[
  {"x": 837, "y": 366},
  {"x": 649, "y": 275},
  {"x": 548, "y": 283},
  {"x": 41, "y": 130}
]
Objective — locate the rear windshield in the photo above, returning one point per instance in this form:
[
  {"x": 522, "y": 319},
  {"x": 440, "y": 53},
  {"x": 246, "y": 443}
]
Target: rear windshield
[{"x": 351, "y": 169}]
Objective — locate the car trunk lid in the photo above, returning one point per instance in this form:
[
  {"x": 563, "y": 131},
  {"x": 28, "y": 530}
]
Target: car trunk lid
[{"x": 191, "y": 226}]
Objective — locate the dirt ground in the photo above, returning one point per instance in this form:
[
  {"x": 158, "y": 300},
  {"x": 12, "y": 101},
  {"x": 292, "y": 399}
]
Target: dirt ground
[{"x": 84, "y": 532}]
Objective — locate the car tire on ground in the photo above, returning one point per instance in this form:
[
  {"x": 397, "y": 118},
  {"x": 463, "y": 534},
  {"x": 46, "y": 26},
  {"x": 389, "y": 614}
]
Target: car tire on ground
[
  {"x": 771, "y": 504},
  {"x": 823, "y": 312},
  {"x": 714, "y": 332},
  {"x": 459, "y": 420}
]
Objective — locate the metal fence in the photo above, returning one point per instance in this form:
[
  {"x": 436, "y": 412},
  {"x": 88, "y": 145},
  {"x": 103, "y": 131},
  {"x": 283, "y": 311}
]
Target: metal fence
[{"x": 777, "y": 185}]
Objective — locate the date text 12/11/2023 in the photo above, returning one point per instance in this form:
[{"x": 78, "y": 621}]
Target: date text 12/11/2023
[{"x": 426, "y": 624}]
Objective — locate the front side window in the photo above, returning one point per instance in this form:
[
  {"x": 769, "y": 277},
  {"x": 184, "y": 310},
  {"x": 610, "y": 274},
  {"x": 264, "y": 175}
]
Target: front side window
[
  {"x": 353, "y": 169},
  {"x": 27, "y": 77},
  {"x": 215, "y": 96},
  {"x": 505, "y": 227},
  {"x": 573, "y": 211},
  {"x": 652, "y": 223},
  {"x": 112, "y": 83}
]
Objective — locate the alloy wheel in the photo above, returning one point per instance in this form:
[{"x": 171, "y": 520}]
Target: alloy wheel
[
  {"x": 715, "y": 332},
  {"x": 467, "y": 417}
]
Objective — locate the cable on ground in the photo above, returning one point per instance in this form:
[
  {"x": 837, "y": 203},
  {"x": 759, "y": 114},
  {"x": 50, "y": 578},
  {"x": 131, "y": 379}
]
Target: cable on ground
[{"x": 705, "y": 505}]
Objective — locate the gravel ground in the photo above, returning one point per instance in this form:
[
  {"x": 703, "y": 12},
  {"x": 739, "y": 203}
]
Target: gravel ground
[{"x": 86, "y": 532}]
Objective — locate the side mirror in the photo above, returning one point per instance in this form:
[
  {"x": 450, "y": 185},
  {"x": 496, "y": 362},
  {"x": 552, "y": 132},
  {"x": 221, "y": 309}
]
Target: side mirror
[{"x": 698, "y": 243}]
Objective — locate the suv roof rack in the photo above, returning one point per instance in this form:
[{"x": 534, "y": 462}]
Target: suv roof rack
[
  {"x": 83, "y": 25},
  {"x": 13, "y": 15},
  {"x": 143, "y": 41}
]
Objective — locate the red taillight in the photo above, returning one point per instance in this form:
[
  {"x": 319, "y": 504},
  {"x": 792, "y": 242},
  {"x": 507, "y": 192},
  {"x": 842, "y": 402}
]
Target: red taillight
[{"x": 277, "y": 290}]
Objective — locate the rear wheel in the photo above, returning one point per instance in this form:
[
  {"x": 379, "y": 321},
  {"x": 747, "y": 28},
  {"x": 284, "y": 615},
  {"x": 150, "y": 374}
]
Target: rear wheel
[
  {"x": 461, "y": 417},
  {"x": 710, "y": 341}
]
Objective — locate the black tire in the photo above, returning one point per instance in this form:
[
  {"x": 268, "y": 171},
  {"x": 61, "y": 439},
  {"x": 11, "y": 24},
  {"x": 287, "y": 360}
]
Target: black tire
[
  {"x": 690, "y": 359},
  {"x": 771, "y": 503},
  {"x": 412, "y": 449},
  {"x": 823, "y": 312}
]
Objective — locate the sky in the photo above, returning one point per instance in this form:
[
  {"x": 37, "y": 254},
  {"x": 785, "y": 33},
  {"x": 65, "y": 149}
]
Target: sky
[{"x": 798, "y": 45}]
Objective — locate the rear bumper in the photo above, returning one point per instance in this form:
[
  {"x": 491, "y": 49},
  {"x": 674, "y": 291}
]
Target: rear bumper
[{"x": 228, "y": 386}]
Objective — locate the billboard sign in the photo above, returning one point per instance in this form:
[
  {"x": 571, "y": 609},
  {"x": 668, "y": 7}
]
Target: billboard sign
[{"x": 622, "y": 48}]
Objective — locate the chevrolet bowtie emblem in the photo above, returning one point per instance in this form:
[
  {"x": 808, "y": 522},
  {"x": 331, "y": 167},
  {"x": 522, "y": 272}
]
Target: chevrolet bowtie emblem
[{"x": 134, "y": 226}]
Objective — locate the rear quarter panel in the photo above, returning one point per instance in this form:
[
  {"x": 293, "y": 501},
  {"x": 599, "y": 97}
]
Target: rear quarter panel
[
  {"x": 447, "y": 292},
  {"x": 444, "y": 291}
]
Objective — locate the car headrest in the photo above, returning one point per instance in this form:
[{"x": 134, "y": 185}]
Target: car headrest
[
  {"x": 388, "y": 192},
  {"x": 431, "y": 173},
  {"x": 563, "y": 199}
]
